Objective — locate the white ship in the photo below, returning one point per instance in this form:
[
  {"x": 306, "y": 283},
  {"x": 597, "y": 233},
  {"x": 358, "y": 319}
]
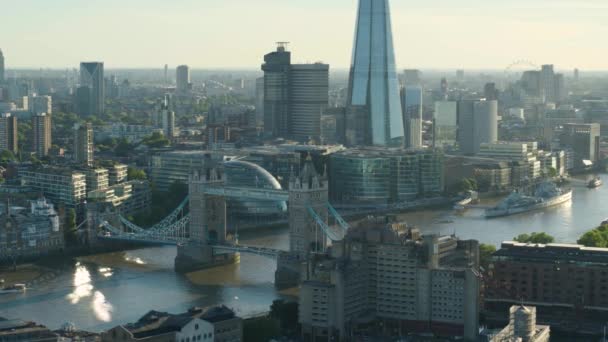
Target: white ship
[{"x": 546, "y": 195}]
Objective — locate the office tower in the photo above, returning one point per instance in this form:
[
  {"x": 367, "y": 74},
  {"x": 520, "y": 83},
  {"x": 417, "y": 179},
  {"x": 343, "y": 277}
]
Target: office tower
[
  {"x": 584, "y": 140},
  {"x": 41, "y": 134},
  {"x": 83, "y": 144},
  {"x": 308, "y": 99},
  {"x": 40, "y": 104},
  {"x": 2, "y": 71},
  {"x": 460, "y": 76},
  {"x": 111, "y": 85},
  {"x": 490, "y": 92},
  {"x": 295, "y": 96},
  {"x": 182, "y": 79},
  {"x": 560, "y": 88},
  {"x": 91, "y": 76},
  {"x": 259, "y": 101},
  {"x": 477, "y": 124},
  {"x": 166, "y": 74},
  {"x": 412, "y": 116},
  {"x": 444, "y": 88},
  {"x": 576, "y": 75},
  {"x": 165, "y": 117},
  {"x": 8, "y": 133},
  {"x": 445, "y": 124},
  {"x": 412, "y": 77},
  {"x": 374, "y": 115},
  {"x": 276, "y": 91},
  {"x": 547, "y": 82}
]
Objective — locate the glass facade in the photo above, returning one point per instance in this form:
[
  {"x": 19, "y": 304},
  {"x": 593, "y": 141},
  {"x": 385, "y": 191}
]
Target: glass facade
[
  {"x": 373, "y": 79},
  {"x": 371, "y": 176},
  {"x": 245, "y": 174}
]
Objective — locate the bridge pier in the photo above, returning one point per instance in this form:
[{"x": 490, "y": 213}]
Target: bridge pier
[{"x": 194, "y": 257}]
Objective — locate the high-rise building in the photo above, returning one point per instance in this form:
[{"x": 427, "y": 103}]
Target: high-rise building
[
  {"x": 584, "y": 140},
  {"x": 412, "y": 77},
  {"x": 295, "y": 96},
  {"x": 166, "y": 74},
  {"x": 276, "y": 91},
  {"x": 41, "y": 134},
  {"x": 40, "y": 104},
  {"x": 576, "y": 75},
  {"x": 547, "y": 81},
  {"x": 83, "y": 144},
  {"x": 165, "y": 117},
  {"x": 490, "y": 92},
  {"x": 8, "y": 133},
  {"x": 412, "y": 116},
  {"x": 445, "y": 124},
  {"x": 308, "y": 99},
  {"x": 182, "y": 79},
  {"x": 477, "y": 124},
  {"x": 2, "y": 71},
  {"x": 374, "y": 115},
  {"x": 91, "y": 76},
  {"x": 259, "y": 101},
  {"x": 460, "y": 75}
]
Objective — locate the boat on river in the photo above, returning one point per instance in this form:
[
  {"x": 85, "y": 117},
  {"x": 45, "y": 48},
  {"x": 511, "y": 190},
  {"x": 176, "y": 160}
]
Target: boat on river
[
  {"x": 546, "y": 195},
  {"x": 17, "y": 288}
]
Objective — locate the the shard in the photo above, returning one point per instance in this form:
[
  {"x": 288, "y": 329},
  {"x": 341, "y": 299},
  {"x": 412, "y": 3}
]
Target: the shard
[{"x": 374, "y": 115}]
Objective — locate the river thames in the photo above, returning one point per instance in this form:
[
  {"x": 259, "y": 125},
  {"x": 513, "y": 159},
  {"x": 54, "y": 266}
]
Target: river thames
[{"x": 102, "y": 291}]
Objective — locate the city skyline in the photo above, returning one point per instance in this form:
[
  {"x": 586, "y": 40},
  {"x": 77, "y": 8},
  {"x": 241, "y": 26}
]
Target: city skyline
[{"x": 211, "y": 35}]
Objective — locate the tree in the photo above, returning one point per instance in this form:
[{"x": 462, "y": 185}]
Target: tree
[
  {"x": 69, "y": 228},
  {"x": 136, "y": 174},
  {"x": 123, "y": 148},
  {"x": 156, "y": 140},
  {"x": 542, "y": 238},
  {"x": 485, "y": 254},
  {"x": 597, "y": 237},
  {"x": 7, "y": 156},
  {"x": 286, "y": 313},
  {"x": 552, "y": 172}
]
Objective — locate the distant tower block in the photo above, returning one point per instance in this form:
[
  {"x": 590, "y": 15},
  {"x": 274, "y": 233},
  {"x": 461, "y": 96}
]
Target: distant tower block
[{"x": 308, "y": 190}]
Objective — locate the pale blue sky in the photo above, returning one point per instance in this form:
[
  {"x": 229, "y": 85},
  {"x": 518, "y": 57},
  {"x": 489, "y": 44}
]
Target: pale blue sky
[{"x": 236, "y": 33}]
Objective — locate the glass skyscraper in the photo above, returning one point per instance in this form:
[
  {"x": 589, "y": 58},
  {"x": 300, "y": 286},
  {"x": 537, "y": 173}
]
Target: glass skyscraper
[
  {"x": 375, "y": 115},
  {"x": 91, "y": 78}
]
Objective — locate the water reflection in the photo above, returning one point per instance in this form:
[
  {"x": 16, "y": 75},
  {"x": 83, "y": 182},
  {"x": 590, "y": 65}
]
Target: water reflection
[
  {"x": 82, "y": 284},
  {"x": 101, "y": 308},
  {"x": 83, "y": 288}
]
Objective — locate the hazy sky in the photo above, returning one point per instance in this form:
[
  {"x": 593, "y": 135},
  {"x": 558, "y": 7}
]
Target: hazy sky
[{"x": 237, "y": 33}]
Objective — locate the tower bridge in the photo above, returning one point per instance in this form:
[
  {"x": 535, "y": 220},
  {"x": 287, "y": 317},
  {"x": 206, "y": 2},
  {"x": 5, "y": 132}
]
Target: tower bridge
[{"x": 201, "y": 235}]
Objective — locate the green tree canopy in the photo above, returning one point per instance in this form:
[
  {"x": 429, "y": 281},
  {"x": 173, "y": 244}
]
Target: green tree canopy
[
  {"x": 543, "y": 238},
  {"x": 485, "y": 254},
  {"x": 136, "y": 174},
  {"x": 597, "y": 237},
  {"x": 7, "y": 156},
  {"x": 156, "y": 140}
]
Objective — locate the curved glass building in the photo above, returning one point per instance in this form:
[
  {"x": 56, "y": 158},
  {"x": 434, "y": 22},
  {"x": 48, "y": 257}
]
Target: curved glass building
[
  {"x": 382, "y": 176},
  {"x": 242, "y": 173},
  {"x": 374, "y": 96}
]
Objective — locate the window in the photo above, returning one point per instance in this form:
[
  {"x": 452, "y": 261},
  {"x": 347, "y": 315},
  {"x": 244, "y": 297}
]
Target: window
[{"x": 196, "y": 327}]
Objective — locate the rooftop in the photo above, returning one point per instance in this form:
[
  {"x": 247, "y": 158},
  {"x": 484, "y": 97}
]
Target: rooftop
[{"x": 553, "y": 252}]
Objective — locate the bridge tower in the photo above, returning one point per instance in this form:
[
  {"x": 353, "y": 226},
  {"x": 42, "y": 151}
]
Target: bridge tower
[
  {"x": 207, "y": 224},
  {"x": 308, "y": 191}
]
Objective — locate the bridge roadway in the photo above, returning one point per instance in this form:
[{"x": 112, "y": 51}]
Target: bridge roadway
[
  {"x": 248, "y": 193},
  {"x": 172, "y": 241}
]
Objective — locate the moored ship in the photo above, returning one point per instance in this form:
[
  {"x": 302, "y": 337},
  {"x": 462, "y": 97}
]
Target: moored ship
[
  {"x": 546, "y": 195},
  {"x": 595, "y": 183}
]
